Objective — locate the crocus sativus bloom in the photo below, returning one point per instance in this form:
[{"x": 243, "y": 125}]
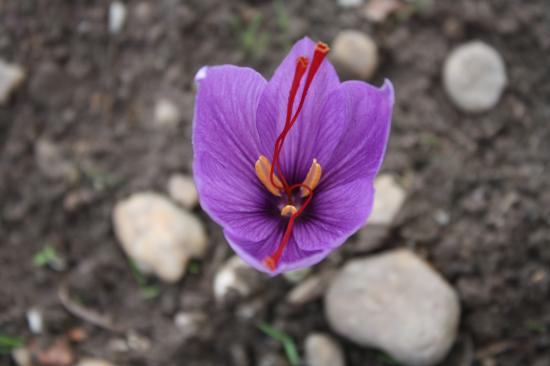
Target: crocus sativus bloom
[{"x": 286, "y": 166}]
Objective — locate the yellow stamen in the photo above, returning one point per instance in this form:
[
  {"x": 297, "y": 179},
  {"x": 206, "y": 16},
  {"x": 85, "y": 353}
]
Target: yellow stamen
[
  {"x": 312, "y": 177},
  {"x": 288, "y": 210},
  {"x": 263, "y": 170}
]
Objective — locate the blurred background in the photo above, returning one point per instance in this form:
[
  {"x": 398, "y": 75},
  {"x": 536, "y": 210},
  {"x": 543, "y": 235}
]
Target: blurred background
[{"x": 96, "y": 108}]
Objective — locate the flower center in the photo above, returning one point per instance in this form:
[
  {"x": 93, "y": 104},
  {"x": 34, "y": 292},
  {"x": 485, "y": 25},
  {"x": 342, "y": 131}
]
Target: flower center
[{"x": 275, "y": 182}]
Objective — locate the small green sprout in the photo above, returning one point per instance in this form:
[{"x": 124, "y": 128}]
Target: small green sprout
[
  {"x": 287, "y": 342},
  {"x": 194, "y": 267},
  {"x": 253, "y": 41},
  {"x": 387, "y": 360},
  {"x": 536, "y": 327},
  {"x": 281, "y": 15},
  {"x": 7, "y": 343},
  {"x": 46, "y": 256},
  {"x": 147, "y": 291}
]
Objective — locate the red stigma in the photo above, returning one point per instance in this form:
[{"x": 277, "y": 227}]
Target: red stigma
[{"x": 321, "y": 50}]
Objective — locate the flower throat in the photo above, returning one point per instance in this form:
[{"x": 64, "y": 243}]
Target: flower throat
[{"x": 277, "y": 183}]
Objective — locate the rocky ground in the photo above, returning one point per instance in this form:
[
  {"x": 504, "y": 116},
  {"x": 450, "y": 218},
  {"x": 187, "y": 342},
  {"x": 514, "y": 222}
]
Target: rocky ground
[{"x": 107, "y": 259}]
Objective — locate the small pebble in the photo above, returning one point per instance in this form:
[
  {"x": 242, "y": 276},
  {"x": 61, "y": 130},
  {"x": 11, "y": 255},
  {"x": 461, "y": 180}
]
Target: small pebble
[
  {"x": 189, "y": 323},
  {"x": 311, "y": 289},
  {"x": 297, "y": 275},
  {"x": 355, "y": 55},
  {"x": 474, "y": 76},
  {"x": 11, "y": 77},
  {"x": 22, "y": 357},
  {"x": 35, "y": 321},
  {"x": 323, "y": 350},
  {"x": 388, "y": 200},
  {"x": 52, "y": 163},
  {"x": 157, "y": 235},
  {"x": 378, "y": 10},
  {"x": 182, "y": 189},
  {"x": 93, "y": 362},
  {"x": 117, "y": 16},
  {"x": 395, "y": 302},
  {"x": 166, "y": 113},
  {"x": 350, "y": 3},
  {"x": 235, "y": 279}
]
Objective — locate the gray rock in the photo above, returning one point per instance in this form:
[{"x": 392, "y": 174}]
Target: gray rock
[
  {"x": 354, "y": 54},
  {"x": 11, "y": 76},
  {"x": 388, "y": 200},
  {"x": 395, "y": 302},
  {"x": 157, "y": 235},
  {"x": 323, "y": 350},
  {"x": 181, "y": 189},
  {"x": 474, "y": 76},
  {"x": 235, "y": 279}
]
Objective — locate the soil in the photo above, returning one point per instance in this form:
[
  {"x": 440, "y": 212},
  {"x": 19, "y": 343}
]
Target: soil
[{"x": 479, "y": 186}]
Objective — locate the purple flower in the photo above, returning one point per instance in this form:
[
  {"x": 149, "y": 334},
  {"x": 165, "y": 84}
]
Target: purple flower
[{"x": 286, "y": 166}]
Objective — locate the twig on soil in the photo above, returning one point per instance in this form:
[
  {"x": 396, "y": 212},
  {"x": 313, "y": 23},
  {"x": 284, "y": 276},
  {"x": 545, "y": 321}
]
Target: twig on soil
[
  {"x": 91, "y": 316},
  {"x": 494, "y": 349}
]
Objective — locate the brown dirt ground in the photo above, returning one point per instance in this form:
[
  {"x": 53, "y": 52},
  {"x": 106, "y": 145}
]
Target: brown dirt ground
[{"x": 91, "y": 94}]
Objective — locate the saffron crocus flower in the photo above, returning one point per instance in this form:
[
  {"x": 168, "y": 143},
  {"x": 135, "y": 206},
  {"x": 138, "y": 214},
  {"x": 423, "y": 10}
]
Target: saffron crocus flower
[{"x": 286, "y": 166}]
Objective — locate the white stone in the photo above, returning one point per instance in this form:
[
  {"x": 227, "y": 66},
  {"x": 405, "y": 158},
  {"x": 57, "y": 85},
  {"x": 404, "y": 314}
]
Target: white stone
[
  {"x": 182, "y": 189},
  {"x": 354, "y": 54},
  {"x": 350, "y": 3},
  {"x": 93, "y": 362},
  {"x": 189, "y": 323},
  {"x": 309, "y": 290},
  {"x": 395, "y": 302},
  {"x": 157, "y": 235},
  {"x": 474, "y": 76},
  {"x": 388, "y": 200},
  {"x": 22, "y": 356},
  {"x": 323, "y": 350},
  {"x": 166, "y": 113},
  {"x": 35, "y": 321},
  {"x": 52, "y": 162},
  {"x": 117, "y": 16},
  {"x": 11, "y": 76},
  {"x": 297, "y": 275},
  {"x": 235, "y": 277}
]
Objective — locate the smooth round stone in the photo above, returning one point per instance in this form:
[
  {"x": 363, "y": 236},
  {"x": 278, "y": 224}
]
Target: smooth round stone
[
  {"x": 354, "y": 54},
  {"x": 167, "y": 113},
  {"x": 474, "y": 76},
  {"x": 395, "y": 302},
  {"x": 235, "y": 280},
  {"x": 93, "y": 362},
  {"x": 11, "y": 77},
  {"x": 323, "y": 350},
  {"x": 389, "y": 197},
  {"x": 157, "y": 235},
  {"x": 182, "y": 190}
]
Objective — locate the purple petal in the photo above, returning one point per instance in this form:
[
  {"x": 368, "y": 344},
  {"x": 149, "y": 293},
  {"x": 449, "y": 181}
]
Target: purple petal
[
  {"x": 360, "y": 150},
  {"x": 334, "y": 214},
  {"x": 313, "y": 124},
  {"x": 254, "y": 252},
  {"x": 225, "y": 147},
  {"x": 343, "y": 200}
]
